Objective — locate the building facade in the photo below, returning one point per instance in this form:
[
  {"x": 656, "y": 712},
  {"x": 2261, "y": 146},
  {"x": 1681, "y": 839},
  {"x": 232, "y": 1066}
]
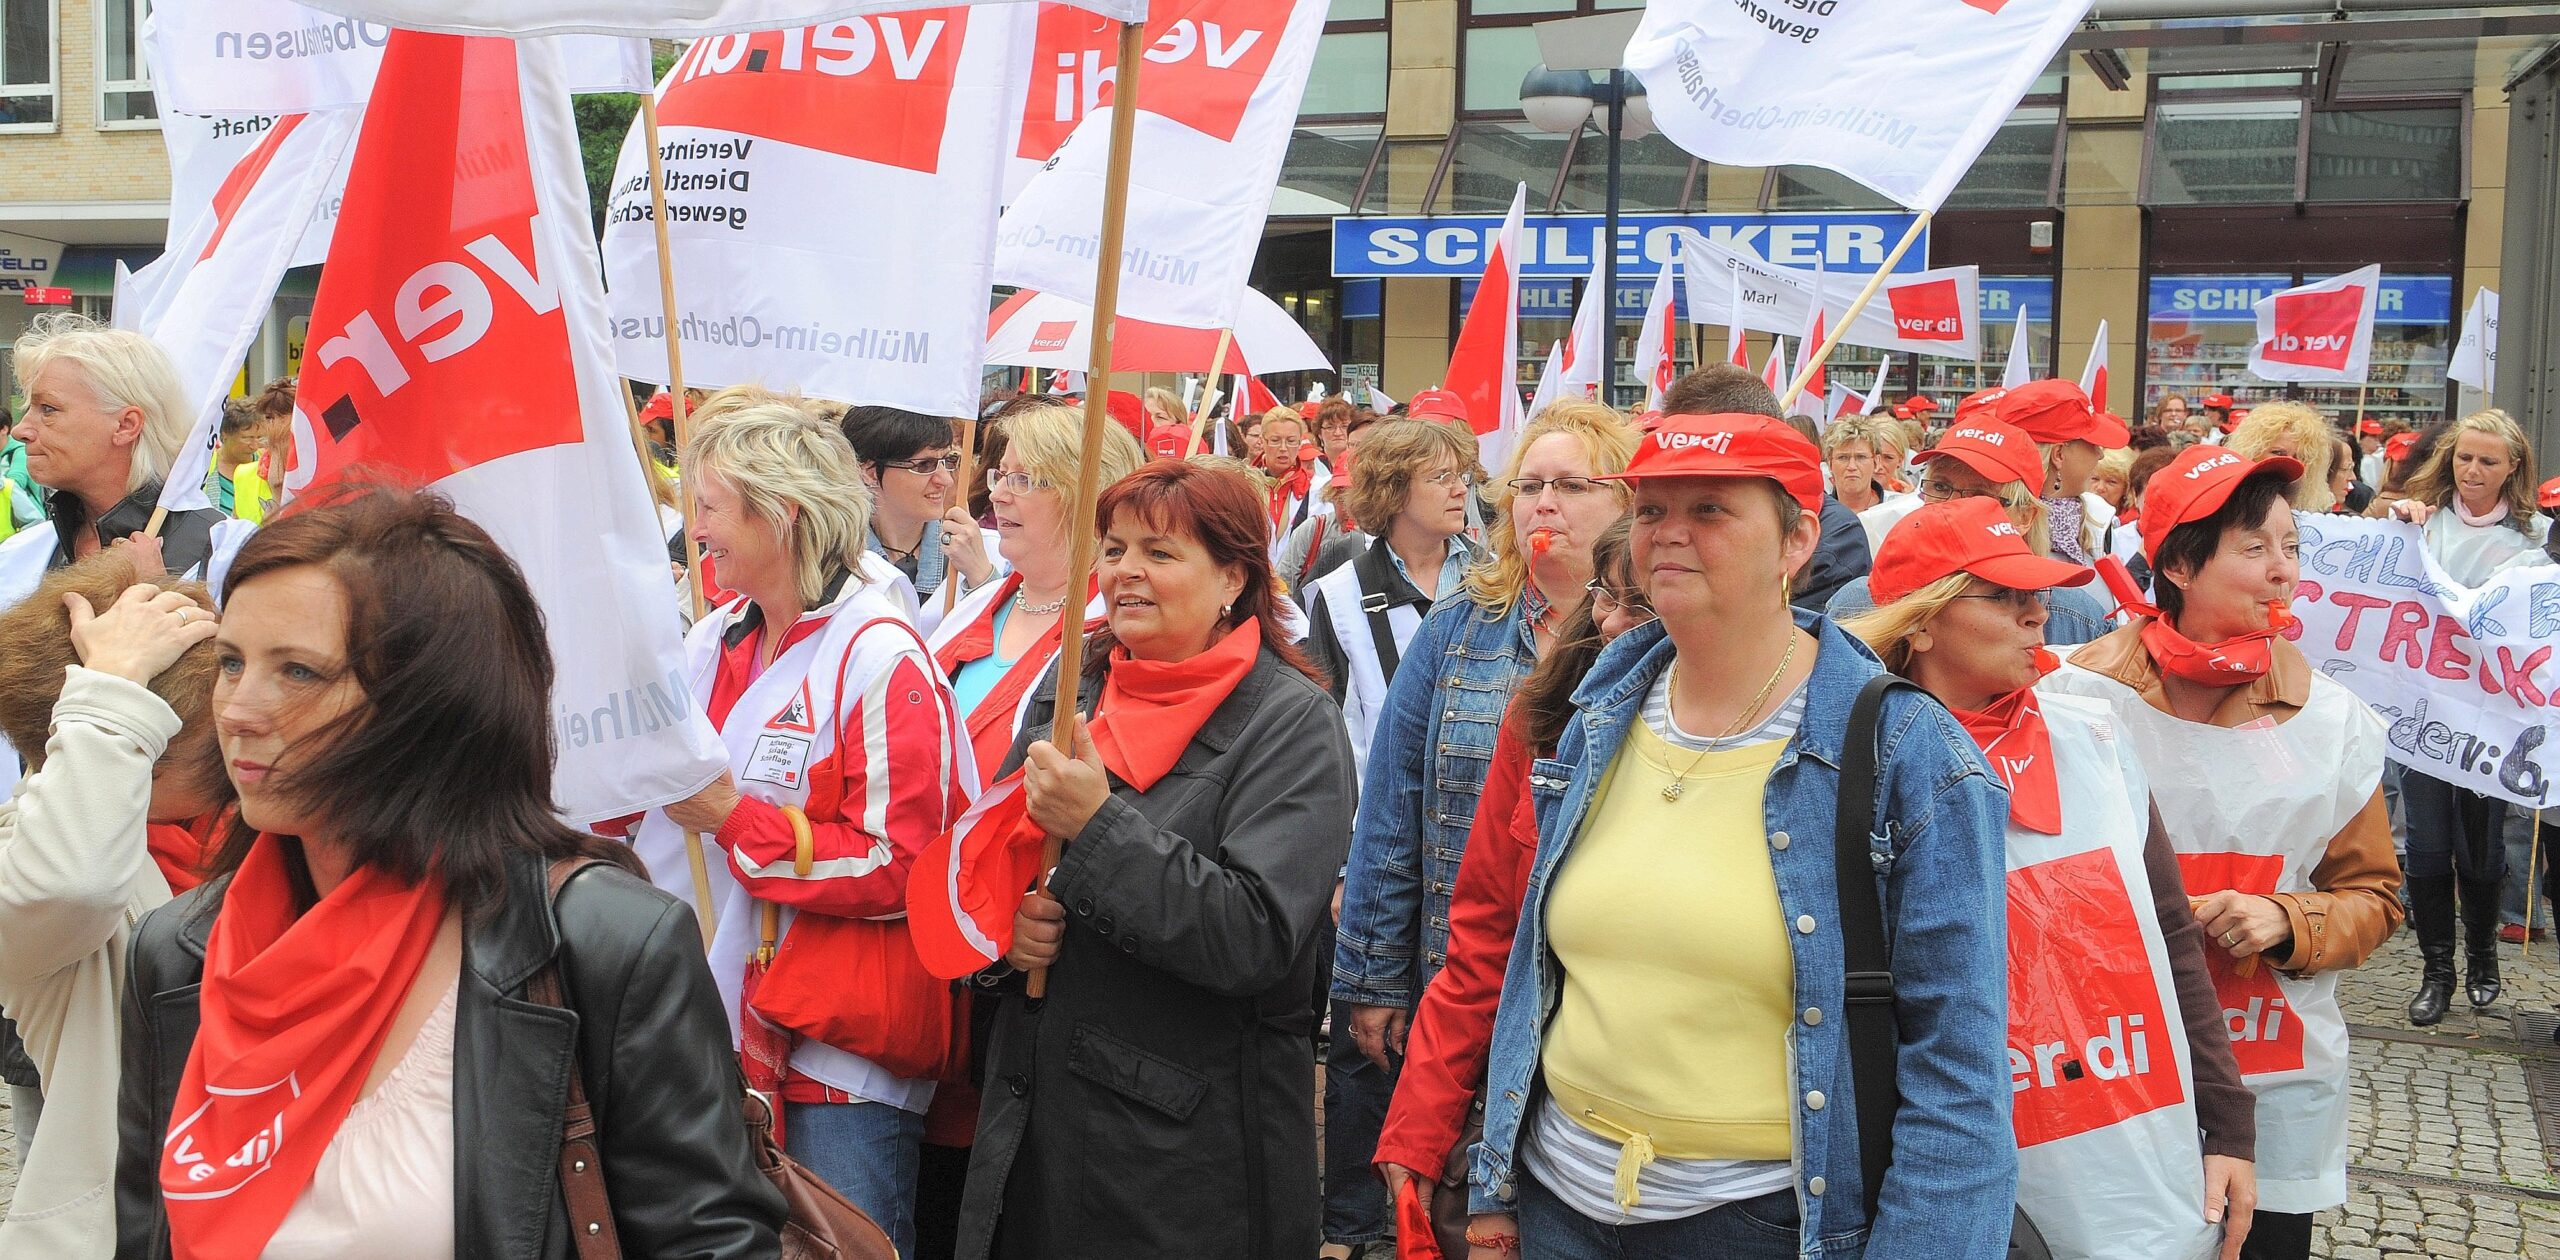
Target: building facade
[{"x": 2159, "y": 177}]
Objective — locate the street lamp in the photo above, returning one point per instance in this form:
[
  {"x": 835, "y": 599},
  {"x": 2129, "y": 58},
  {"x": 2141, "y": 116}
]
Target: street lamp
[{"x": 1559, "y": 102}]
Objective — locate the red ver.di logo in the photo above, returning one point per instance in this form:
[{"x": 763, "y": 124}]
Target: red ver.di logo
[
  {"x": 2088, "y": 1042},
  {"x": 2317, "y": 329},
  {"x": 2266, "y": 1035}
]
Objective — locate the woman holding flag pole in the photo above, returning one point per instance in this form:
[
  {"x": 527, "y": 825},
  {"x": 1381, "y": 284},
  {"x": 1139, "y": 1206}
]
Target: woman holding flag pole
[
  {"x": 2099, "y": 922},
  {"x": 845, "y": 759},
  {"x": 2268, "y": 777}
]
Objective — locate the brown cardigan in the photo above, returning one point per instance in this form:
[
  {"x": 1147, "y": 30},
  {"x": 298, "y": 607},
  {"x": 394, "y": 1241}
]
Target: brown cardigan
[{"x": 2355, "y": 903}]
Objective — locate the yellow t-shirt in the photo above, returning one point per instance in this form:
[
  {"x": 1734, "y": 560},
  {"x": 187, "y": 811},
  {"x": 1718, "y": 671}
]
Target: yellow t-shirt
[
  {"x": 249, "y": 493},
  {"x": 1670, "y": 1035}
]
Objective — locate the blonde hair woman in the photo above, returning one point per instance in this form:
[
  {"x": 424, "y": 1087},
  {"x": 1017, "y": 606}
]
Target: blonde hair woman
[
  {"x": 1854, "y": 447},
  {"x": 813, "y": 675},
  {"x": 2298, "y": 433},
  {"x": 1432, "y": 747},
  {"x": 104, "y": 418},
  {"x": 2473, "y": 499}
]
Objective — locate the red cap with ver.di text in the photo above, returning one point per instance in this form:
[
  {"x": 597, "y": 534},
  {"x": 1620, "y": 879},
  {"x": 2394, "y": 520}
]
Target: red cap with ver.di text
[
  {"x": 2000, "y": 452},
  {"x": 1733, "y": 444},
  {"x": 2195, "y": 485},
  {"x": 1973, "y": 536}
]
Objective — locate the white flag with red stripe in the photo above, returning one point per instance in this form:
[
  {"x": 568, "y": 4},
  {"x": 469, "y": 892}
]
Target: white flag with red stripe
[
  {"x": 1657, "y": 343},
  {"x": 283, "y": 56},
  {"x": 208, "y": 293},
  {"x": 458, "y": 339},
  {"x": 1773, "y": 370},
  {"x": 1551, "y": 381},
  {"x": 1585, "y": 345},
  {"x": 1874, "y": 403},
  {"x": 1734, "y": 351},
  {"x": 664, "y": 19},
  {"x": 1484, "y": 365},
  {"x": 1809, "y": 342},
  {"x": 1217, "y": 103},
  {"x": 2093, "y": 376}
]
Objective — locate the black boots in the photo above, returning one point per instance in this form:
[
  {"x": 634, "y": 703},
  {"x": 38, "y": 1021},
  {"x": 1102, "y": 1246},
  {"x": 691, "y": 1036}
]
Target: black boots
[
  {"x": 2480, "y": 941},
  {"x": 2431, "y": 912}
]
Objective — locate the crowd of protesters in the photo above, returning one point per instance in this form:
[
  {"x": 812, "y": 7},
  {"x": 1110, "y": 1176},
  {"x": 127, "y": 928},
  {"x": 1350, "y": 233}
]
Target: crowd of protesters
[{"x": 1545, "y": 825}]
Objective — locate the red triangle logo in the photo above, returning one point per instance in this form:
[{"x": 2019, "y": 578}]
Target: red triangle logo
[{"x": 795, "y": 715}]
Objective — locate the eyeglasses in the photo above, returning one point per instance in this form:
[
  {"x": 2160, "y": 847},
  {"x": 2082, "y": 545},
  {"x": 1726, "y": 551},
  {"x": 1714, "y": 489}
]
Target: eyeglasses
[
  {"x": 2016, "y": 601},
  {"x": 1607, "y": 602},
  {"x": 925, "y": 467},
  {"x": 1014, "y": 482},
  {"x": 1569, "y": 487},
  {"x": 1444, "y": 480},
  {"x": 1933, "y": 490}
]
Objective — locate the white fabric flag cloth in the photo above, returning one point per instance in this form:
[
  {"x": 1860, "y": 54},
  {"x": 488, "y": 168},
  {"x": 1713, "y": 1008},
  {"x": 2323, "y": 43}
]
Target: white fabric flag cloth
[
  {"x": 505, "y": 398},
  {"x": 831, "y": 206},
  {"x": 1657, "y": 342},
  {"x": 2093, "y": 375},
  {"x": 2021, "y": 367},
  {"x": 657, "y": 19},
  {"x": 1379, "y": 402},
  {"x": 1217, "y": 102},
  {"x": 281, "y": 56},
  {"x": 204, "y": 153},
  {"x": 2475, "y": 357},
  {"x": 2322, "y": 331},
  {"x": 1551, "y": 381},
  {"x": 208, "y": 293},
  {"x": 1899, "y": 95},
  {"x": 1874, "y": 404},
  {"x": 1916, "y": 312},
  {"x": 1584, "y": 343}
]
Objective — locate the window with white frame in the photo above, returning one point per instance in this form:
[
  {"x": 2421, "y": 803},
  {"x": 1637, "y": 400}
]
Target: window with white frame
[
  {"x": 124, "y": 74},
  {"x": 27, "y": 64}
]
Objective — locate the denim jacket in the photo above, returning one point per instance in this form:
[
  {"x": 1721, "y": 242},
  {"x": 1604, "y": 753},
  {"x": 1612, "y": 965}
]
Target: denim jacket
[
  {"x": 1941, "y": 873},
  {"x": 1428, "y": 759}
]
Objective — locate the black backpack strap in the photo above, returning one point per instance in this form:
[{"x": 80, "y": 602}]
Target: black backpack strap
[
  {"x": 1873, "y": 1037},
  {"x": 1380, "y": 591}
]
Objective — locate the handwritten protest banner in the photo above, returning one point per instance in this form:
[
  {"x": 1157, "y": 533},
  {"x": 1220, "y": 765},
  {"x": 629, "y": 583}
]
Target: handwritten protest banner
[{"x": 2463, "y": 679}]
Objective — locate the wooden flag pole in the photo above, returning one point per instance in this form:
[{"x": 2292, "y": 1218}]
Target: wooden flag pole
[
  {"x": 682, "y": 424},
  {"x": 1209, "y": 388},
  {"x": 1080, "y": 523},
  {"x": 1813, "y": 363},
  {"x": 968, "y": 469}
]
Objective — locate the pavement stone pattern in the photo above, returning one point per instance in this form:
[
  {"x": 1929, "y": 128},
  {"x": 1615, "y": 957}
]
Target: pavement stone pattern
[{"x": 2446, "y": 1156}]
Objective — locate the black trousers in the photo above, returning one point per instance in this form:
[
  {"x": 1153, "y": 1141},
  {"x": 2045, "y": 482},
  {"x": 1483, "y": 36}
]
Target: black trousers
[
  {"x": 2453, "y": 830},
  {"x": 2278, "y": 1236}
]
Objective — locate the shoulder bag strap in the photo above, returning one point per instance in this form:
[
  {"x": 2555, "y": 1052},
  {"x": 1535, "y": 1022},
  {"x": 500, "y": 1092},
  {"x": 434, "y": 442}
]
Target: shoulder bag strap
[
  {"x": 1377, "y": 578},
  {"x": 591, "y": 1228},
  {"x": 1873, "y": 1037}
]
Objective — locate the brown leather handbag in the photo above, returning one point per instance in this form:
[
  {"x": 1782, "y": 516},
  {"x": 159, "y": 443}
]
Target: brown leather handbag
[{"x": 818, "y": 1223}]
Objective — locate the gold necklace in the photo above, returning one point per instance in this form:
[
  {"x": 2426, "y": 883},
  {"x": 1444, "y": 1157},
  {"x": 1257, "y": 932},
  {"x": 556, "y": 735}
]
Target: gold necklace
[{"x": 1680, "y": 782}]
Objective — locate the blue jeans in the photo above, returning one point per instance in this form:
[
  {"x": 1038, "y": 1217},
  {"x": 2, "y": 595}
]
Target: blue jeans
[
  {"x": 1753, "y": 1229},
  {"x": 1355, "y": 1109},
  {"x": 868, "y": 1152}
]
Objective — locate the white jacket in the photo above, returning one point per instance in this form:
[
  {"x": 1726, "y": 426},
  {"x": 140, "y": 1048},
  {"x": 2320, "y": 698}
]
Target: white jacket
[{"x": 75, "y": 876}]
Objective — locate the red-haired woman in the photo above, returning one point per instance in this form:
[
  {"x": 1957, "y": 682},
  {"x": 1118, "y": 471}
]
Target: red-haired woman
[
  {"x": 341, "y": 1044},
  {"x": 1156, "y": 1101}
]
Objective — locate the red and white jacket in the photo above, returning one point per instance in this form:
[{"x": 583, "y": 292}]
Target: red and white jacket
[{"x": 817, "y": 729}]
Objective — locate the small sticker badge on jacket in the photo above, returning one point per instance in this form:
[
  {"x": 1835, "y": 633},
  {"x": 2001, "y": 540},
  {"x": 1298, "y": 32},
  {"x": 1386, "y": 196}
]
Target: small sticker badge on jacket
[
  {"x": 781, "y": 760},
  {"x": 795, "y": 715}
]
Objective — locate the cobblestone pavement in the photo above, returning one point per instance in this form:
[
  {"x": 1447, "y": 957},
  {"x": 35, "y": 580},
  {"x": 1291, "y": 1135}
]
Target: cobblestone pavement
[{"x": 2454, "y": 1130}]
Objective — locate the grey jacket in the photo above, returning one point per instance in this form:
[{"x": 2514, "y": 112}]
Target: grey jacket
[{"x": 1157, "y": 1102}]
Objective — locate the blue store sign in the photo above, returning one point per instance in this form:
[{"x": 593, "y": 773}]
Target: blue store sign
[
  {"x": 2233, "y": 299},
  {"x": 1565, "y": 244}
]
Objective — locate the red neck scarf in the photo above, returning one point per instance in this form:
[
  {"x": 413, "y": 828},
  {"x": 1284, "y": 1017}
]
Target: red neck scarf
[
  {"x": 294, "y": 1012},
  {"x": 1150, "y": 710},
  {"x": 2233, "y": 662},
  {"x": 2019, "y": 746},
  {"x": 179, "y": 849},
  {"x": 1288, "y": 490}
]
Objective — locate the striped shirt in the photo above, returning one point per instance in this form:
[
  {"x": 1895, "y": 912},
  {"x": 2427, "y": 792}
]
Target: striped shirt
[{"x": 1579, "y": 1166}]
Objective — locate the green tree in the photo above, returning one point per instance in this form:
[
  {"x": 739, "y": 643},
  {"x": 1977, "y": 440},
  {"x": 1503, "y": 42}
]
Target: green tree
[{"x": 603, "y": 120}]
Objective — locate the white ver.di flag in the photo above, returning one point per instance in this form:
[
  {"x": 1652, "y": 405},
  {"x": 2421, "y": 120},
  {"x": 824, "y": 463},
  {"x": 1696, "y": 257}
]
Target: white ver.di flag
[
  {"x": 1217, "y": 102},
  {"x": 2475, "y": 356},
  {"x": 831, "y": 205},
  {"x": 2321, "y": 331},
  {"x": 1899, "y": 95},
  {"x": 204, "y": 150},
  {"x": 662, "y": 19},
  {"x": 1917, "y": 312},
  {"x": 2021, "y": 367},
  {"x": 282, "y": 56},
  {"x": 205, "y": 297},
  {"x": 503, "y": 396}
]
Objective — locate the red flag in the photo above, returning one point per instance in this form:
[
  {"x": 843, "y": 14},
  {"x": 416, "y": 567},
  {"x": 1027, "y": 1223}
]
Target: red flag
[{"x": 1484, "y": 366}]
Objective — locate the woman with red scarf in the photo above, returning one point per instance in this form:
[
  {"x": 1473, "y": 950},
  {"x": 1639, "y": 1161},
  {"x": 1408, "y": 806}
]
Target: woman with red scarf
[
  {"x": 106, "y": 686},
  {"x": 348, "y": 1041},
  {"x": 2268, "y": 777},
  {"x": 2103, "y": 949},
  {"x": 1155, "y": 1101}
]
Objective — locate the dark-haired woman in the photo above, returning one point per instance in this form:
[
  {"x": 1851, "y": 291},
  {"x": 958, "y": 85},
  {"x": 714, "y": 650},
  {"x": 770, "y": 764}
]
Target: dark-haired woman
[
  {"x": 1155, "y": 1102},
  {"x": 917, "y": 525},
  {"x": 107, "y": 684},
  {"x": 2267, "y": 776},
  {"x": 335, "y": 1048},
  {"x": 1427, "y": 1126}
]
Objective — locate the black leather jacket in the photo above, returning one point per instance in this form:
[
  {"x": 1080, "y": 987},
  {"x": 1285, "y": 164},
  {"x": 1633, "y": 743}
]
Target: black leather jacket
[{"x": 649, "y": 1033}]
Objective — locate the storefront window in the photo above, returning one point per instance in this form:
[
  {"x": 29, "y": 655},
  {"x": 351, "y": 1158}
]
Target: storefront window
[
  {"x": 2386, "y": 155},
  {"x": 2224, "y": 151},
  {"x": 2201, "y": 328},
  {"x": 1812, "y": 188},
  {"x": 2016, "y": 168},
  {"x": 1492, "y": 160},
  {"x": 1498, "y": 58},
  {"x": 1652, "y": 173},
  {"x": 1323, "y": 171},
  {"x": 1349, "y": 76}
]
